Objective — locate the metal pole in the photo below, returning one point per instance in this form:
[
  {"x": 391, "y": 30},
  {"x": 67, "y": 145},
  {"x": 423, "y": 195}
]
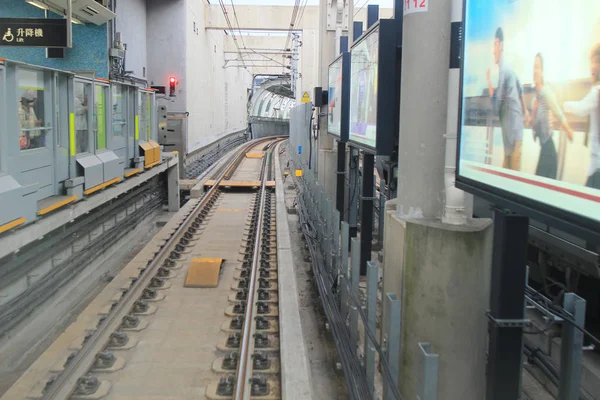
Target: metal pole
[
  {"x": 571, "y": 348},
  {"x": 392, "y": 344},
  {"x": 344, "y": 270},
  {"x": 353, "y": 192},
  {"x": 372, "y": 278},
  {"x": 382, "y": 200},
  {"x": 341, "y": 179},
  {"x": 506, "y": 306},
  {"x": 372, "y": 14},
  {"x": 69, "y": 24},
  {"x": 357, "y": 31},
  {"x": 335, "y": 244},
  {"x": 366, "y": 221},
  {"x": 428, "y": 377},
  {"x": 354, "y": 280}
]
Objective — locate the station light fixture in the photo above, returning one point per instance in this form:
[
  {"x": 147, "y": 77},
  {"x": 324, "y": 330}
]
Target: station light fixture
[
  {"x": 37, "y": 4},
  {"x": 172, "y": 83}
]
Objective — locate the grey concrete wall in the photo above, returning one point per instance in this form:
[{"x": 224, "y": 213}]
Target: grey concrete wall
[
  {"x": 131, "y": 22},
  {"x": 264, "y": 129},
  {"x": 165, "y": 47},
  {"x": 216, "y": 97}
]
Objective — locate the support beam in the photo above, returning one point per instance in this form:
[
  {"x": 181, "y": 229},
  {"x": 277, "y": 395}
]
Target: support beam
[{"x": 173, "y": 188}]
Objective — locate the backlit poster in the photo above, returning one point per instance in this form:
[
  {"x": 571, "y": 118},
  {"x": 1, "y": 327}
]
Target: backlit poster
[
  {"x": 530, "y": 105},
  {"x": 334, "y": 93},
  {"x": 363, "y": 93}
]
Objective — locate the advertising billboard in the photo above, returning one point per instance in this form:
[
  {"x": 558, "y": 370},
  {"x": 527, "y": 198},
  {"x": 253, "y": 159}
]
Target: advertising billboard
[
  {"x": 529, "y": 130},
  {"x": 339, "y": 97},
  {"x": 374, "y": 108},
  {"x": 363, "y": 103}
]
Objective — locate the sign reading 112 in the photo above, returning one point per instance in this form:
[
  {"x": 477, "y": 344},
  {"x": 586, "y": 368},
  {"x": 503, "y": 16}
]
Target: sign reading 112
[{"x": 413, "y": 6}]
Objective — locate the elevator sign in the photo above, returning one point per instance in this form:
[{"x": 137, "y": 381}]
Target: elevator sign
[
  {"x": 33, "y": 32},
  {"x": 413, "y": 6}
]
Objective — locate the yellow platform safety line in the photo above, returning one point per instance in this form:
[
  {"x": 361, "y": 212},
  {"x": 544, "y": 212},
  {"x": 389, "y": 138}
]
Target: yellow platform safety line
[
  {"x": 155, "y": 163},
  {"x": 298, "y": 172},
  {"x": 55, "y": 206},
  {"x": 12, "y": 224},
  {"x": 102, "y": 186},
  {"x": 72, "y": 134},
  {"x": 241, "y": 184},
  {"x": 203, "y": 273},
  {"x": 255, "y": 155},
  {"x": 135, "y": 171}
]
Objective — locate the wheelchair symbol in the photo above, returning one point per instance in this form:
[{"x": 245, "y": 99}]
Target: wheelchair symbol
[{"x": 8, "y": 36}]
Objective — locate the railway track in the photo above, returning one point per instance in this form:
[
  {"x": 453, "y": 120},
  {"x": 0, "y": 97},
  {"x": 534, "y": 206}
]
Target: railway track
[{"x": 245, "y": 349}]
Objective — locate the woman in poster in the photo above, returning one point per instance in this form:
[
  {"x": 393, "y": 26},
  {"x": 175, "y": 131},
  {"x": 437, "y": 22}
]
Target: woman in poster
[
  {"x": 544, "y": 104},
  {"x": 590, "y": 106}
]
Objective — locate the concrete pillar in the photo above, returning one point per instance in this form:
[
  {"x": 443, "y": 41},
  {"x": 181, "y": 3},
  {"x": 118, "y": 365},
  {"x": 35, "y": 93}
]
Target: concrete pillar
[
  {"x": 442, "y": 276},
  {"x": 173, "y": 188},
  {"x": 328, "y": 51},
  {"x": 440, "y": 272}
]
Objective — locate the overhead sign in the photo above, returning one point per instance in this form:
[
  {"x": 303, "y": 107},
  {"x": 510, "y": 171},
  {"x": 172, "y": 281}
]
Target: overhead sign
[
  {"x": 305, "y": 98},
  {"x": 33, "y": 32},
  {"x": 530, "y": 110}
]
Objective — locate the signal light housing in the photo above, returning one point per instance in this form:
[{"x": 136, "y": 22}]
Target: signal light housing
[{"x": 172, "y": 83}]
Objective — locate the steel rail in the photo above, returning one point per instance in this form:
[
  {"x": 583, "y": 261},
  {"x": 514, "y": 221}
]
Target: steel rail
[
  {"x": 244, "y": 369},
  {"x": 65, "y": 383}
]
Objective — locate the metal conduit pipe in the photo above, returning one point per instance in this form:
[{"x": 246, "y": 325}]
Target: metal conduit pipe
[{"x": 454, "y": 199}]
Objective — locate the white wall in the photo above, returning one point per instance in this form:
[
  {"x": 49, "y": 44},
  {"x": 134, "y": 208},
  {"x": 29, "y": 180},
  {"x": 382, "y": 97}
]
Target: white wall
[
  {"x": 131, "y": 22},
  {"x": 166, "y": 47},
  {"x": 212, "y": 114}
]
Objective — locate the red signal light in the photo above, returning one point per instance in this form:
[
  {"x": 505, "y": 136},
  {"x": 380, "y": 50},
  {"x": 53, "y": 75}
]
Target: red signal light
[{"x": 172, "y": 86}]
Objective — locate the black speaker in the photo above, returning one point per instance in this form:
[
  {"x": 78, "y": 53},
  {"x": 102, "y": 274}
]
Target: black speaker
[
  {"x": 320, "y": 97},
  {"x": 55, "y": 52}
]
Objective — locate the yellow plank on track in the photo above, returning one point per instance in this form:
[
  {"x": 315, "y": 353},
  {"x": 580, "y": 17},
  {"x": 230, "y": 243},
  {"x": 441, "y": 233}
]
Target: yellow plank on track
[
  {"x": 203, "y": 273},
  {"x": 255, "y": 155},
  {"x": 241, "y": 184}
]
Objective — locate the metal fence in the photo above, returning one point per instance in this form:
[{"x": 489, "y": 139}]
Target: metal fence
[{"x": 197, "y": 162}]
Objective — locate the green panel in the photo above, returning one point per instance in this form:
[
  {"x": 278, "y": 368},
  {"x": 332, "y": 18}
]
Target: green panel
[
  {"x": 101, "y": 116},
  {"x": 148, "y": 118}
]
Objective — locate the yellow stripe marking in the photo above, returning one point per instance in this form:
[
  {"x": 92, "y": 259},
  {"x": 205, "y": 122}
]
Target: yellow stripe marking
[
  {"x": 102, "y": 186},
  {"x": 72, "y": 133},
  {"x": 12, "y": 224},
  {"x": 153, "y": 164},
  {"x": 135, "y": 171},
  {"x": 137, "y": 127},
  {"x": 53, "y": 207}
]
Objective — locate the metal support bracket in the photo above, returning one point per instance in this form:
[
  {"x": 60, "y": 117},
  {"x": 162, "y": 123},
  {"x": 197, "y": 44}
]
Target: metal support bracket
[{"x": 509, "y": 323}]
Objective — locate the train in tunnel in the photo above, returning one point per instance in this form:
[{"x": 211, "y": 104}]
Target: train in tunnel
[{"x": 66, "y": 135}]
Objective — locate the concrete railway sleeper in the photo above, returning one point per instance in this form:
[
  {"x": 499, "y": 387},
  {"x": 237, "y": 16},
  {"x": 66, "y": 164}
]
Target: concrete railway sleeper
[{"x": 250, "y": 372}]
